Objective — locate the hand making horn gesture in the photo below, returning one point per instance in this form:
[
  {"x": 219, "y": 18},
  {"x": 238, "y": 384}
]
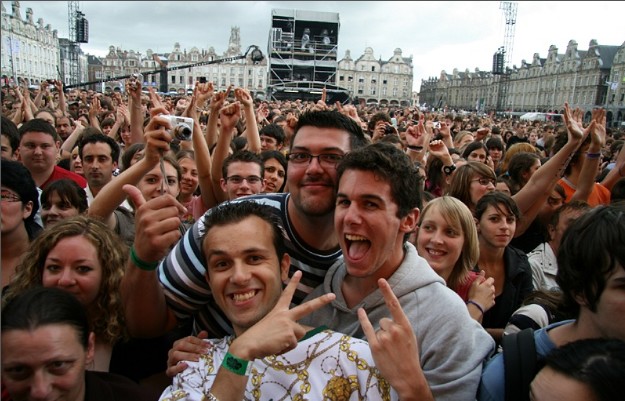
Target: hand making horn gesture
[{"x": 395, "y": 349}]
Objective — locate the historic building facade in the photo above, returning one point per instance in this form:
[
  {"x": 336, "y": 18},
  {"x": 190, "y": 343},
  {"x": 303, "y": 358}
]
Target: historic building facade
[
  {"x": 153, "y": 66},
  {"x": 30, "y": 51},
  {"x": 583, "y": 78},
  {"x": 382, "y": 82}
]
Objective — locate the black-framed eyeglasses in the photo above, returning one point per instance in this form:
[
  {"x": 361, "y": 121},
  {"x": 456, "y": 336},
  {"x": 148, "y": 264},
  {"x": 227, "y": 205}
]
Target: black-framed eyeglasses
[
  {"x": 237, "y": 179},
  {"x": 485, "y": 181},
  {"x": 327, "y": 159},
  {"x": 10, "y": 197}
]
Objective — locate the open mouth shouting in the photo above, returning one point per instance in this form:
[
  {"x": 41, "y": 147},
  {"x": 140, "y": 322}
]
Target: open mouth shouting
[{"x": 357, "y": 246}]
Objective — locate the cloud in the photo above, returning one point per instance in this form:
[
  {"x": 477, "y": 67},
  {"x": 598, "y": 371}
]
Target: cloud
[{"x": 439, "y": 35}]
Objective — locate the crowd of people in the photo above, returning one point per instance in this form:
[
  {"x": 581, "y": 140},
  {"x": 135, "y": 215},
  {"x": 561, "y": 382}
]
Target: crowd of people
[{"x": 214, "y": 246}]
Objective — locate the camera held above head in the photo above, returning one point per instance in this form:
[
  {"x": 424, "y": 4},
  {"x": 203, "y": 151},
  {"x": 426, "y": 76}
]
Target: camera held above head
[{"x": 182, "y": 127}]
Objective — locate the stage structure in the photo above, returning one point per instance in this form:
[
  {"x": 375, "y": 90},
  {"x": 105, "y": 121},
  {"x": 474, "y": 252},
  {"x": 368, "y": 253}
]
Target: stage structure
[{"x": 302, "y": 49}]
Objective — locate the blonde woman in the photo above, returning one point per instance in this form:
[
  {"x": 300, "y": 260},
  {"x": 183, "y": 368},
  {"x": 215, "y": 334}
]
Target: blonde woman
[{"x": 447, "y": 238}]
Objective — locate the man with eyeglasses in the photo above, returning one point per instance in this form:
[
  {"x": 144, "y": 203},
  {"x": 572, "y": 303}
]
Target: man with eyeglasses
[
  {"x": 242, "y": 174},
  {"x": 156, "y": 302}
]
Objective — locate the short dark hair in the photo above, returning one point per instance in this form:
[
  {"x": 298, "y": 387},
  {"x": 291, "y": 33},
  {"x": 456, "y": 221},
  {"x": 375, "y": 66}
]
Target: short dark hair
[
  {"x": 596, "y": 362},
  {"x": 107, "y": 122},
  {"x": 17, "y": 177},
  {"x": 38, "y": 125},
  {"x": 495, "y": 142},
  {"x": 231, "y": 212},
  {"x": 473, "y": 146},
  {"x": 392, "y": 165},
  {"x": 590, "y": 251},
  {"x": 129, "y": 153},
  {"x": 274, "y": 131},
  {"x": 521, "y": 163},
  {"x": 99, "y": 137},
  {"x": 41, "y": 306},
  {"x": 68, "y": 191},
  {"x": 9, "y": 129},
  {"x": 332, "y": 119},
  {"x": 497, "y": 198},
  {"x": 379, "y": 116},
  {"x": 577, "y": 205},
  {"x": 244, "y": 156}
]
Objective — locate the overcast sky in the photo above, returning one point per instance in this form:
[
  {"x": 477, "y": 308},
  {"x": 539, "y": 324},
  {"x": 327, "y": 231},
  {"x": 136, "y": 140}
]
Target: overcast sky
[{"x": 439, "y": 35}]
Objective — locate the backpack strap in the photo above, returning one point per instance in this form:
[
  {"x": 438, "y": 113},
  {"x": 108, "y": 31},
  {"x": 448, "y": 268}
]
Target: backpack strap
[{"x": 519, "y": 355}]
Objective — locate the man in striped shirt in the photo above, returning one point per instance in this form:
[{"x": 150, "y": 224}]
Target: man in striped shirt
[{"x": 155, "y": 305}]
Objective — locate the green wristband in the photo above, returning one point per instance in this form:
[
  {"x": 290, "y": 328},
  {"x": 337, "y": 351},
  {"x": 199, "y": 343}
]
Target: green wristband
[
  {"x": 141, "y": 264},
  {"x": 236, "y": 365}
]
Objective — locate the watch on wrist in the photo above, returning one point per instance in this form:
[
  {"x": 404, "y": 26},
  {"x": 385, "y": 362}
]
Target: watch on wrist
[{"x": 448, "y": 170}]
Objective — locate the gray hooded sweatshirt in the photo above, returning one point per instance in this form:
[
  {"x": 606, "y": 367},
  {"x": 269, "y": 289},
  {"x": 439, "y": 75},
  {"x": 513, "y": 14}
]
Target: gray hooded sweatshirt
[{"x": 452, "y": 345}]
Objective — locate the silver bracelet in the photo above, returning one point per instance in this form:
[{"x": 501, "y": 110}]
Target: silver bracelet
[{"x": 211, "y": 397}]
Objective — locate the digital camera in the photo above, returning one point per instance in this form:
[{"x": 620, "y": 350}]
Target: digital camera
[
  {"x": 436, "y": 124},
  {"x": 182, "y": 127},
  {"x": 389, "y": 130},
  {"x": 134, "y": 78}
]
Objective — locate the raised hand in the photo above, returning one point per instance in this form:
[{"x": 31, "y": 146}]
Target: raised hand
[
  {"x": 261, "y": 113},
  {"x": 157, "y": 136},
  {"x": 598, "y": 131},
  {"x": 218, "y": 100},
  {"x": 58, "y": 84},
  {"x": 155, "y": 98},
  {"x": 95, "y": 108},
  {"x": 157, "y": 224},
  {"x": 348, "y": 110},
  {"x": 133, "y": 88},
  {"x": 244, "y": 97},
  {"x": 394, "y": 348},
  {"x": 124, "y": 113},
  {"x": 418, "y": 135},
  {"x": 204, "y": 91},
  {"x": 279, "y": 331},
  {"x": 439, "y": 150},
  {"x": 229, "y": 116},
  {"x": 573, "y": 123}
]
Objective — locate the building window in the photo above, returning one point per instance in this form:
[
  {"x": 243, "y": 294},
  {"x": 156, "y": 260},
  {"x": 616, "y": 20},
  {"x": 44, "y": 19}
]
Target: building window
[
  {"x": 384, "y": 82},
  {"x": 373, "y": 68},
  {"x": 350, "y": 79},
  {"x": 360, "y": 91},
  {"x": 341, "y": 78},
  {"x": 173, "y": 79}
]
